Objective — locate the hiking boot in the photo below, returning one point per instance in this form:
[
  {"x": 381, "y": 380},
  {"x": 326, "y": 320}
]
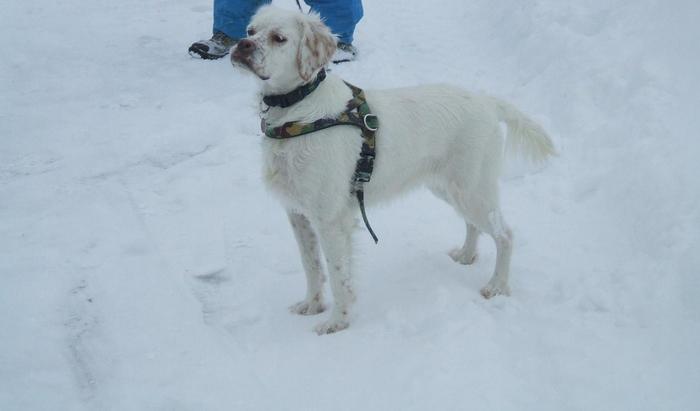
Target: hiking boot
[
  {"x": 216, "y": 47},
  {"x": 345, "y": 52}
]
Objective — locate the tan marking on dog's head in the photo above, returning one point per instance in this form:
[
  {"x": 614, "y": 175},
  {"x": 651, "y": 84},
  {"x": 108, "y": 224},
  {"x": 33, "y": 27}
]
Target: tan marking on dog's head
[{"x": 316, "y": 47}]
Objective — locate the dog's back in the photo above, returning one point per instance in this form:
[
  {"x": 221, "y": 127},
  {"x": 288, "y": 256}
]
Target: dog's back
[{"x": 444, "y": 131}]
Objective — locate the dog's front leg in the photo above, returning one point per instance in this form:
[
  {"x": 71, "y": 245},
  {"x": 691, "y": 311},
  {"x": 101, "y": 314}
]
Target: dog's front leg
[
  {"x": 336, "y": 240},
  {"x": 311, "y": 260}
]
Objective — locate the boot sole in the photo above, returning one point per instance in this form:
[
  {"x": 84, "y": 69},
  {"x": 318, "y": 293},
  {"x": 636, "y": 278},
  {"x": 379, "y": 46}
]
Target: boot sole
[{"x": 198, "y": 52}]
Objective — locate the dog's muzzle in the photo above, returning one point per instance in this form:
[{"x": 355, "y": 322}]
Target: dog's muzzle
[
  {"x": 242, "y": 55},
  {"x": 244, "y": 48},
  {"x": 243, "y": 52}
]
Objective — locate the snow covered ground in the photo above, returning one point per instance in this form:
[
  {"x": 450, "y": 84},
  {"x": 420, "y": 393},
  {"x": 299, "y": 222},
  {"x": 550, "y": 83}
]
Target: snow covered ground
[{"x": 143, "y": 266}]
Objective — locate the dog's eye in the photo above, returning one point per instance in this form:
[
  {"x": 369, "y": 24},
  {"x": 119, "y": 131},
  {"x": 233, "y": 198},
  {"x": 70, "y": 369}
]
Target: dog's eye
[
  {"x": 250, "y": 32},
  {"x": 278, "y": 38}
]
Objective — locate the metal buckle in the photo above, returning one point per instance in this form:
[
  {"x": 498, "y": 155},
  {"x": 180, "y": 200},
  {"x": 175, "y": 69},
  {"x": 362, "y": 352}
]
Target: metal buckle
[{"x": 364, "y": 119}]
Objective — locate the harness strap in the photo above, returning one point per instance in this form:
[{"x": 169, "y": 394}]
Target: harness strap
[{"x": 358, "y": 114}]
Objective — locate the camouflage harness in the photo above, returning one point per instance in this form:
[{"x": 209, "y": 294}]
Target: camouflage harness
[{"x": 358, "y": 114}]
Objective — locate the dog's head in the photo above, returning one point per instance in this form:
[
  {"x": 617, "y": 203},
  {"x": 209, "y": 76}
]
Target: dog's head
[{"x": 284, "y": 48}]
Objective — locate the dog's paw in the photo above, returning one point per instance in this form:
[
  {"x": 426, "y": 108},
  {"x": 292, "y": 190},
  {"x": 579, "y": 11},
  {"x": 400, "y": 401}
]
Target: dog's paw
[
  {"x": 492, "y": 290},
  {"x": 460, "y": 255},
  {"x": 331, "y": 326},
  {"x": 308, "y": 307}
]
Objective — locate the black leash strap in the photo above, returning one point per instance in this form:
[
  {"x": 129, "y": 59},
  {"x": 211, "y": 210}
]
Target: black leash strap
[
  {"x": 301, "y": 9},
  {"x": 361, "y": 199}
]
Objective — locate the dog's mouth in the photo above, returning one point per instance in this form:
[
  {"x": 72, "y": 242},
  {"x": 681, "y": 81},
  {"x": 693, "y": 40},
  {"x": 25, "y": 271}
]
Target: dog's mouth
[{"x": 238, "y": 60}]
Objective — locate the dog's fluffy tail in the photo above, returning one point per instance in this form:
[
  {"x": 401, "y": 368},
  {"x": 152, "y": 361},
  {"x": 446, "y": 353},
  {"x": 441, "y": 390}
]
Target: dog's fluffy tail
[{"x": 525, "y": 136}]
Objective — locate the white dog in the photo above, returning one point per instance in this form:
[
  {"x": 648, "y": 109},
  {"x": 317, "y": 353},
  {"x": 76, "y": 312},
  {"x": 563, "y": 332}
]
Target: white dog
[{"x": 438, "y": 136}]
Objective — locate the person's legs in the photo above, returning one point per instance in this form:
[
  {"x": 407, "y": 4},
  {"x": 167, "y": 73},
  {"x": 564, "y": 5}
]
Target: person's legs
[
  {"x": 341, "y": 16},
  {"x": 231, "y": 17}
]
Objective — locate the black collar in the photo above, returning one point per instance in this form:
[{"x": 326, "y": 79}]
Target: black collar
[{"x": 296, "y": 95}]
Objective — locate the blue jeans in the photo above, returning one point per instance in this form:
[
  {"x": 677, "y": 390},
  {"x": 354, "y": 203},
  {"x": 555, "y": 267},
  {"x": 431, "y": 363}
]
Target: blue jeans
[{"x": 232, "y": 16}]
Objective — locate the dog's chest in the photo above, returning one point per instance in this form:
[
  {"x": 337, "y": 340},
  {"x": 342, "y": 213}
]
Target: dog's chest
[
  {"x": 284, "y": 168},
  {"x": 277, "y": 169}
]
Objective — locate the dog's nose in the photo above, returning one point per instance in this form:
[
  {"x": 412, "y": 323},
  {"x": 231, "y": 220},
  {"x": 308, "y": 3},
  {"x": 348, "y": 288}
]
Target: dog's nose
[{"x": 245, "y": 47}]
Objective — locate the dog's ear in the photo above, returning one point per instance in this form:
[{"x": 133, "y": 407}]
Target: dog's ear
[{"x": 316, "y": 46}]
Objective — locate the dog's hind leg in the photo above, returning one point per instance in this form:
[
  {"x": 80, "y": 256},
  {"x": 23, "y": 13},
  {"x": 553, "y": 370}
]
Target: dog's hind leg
[
  {"x": 311, "y": 260},
  {"x": 492, "y": 223},
  {"x": 467, "y": 253},
  {"x": 482, "y": 214},
  {"x": 503, "y": 237}
]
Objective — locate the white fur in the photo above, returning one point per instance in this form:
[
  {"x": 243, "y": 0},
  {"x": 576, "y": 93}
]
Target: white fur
[{"x": 437, "y": 136}]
